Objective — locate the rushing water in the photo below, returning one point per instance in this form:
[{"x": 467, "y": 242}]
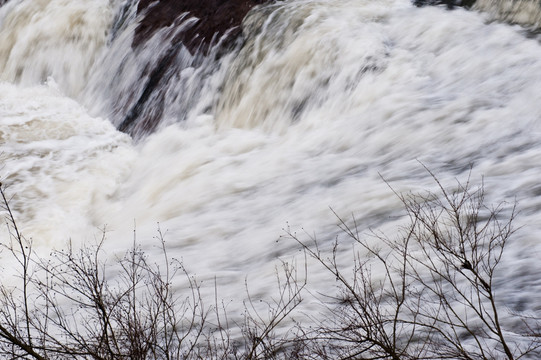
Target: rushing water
[{"x": 323, "y": 100}]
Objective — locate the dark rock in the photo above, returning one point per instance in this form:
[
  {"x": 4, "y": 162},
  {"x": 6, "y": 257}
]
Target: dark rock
[
  {"x": 213, "y": 19},
  {"x": 210, "y": 21},
  {"x": 450, "y": 3}
]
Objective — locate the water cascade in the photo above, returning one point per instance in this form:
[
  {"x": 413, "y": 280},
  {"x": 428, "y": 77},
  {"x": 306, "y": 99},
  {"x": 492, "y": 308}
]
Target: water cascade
[{"x": 264, "y": 123}]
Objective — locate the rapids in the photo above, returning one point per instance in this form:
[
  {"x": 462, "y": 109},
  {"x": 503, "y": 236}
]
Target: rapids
[{"x": 319, "y": 101}]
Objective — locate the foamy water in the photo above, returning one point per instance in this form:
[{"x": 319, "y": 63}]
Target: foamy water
[{"x": 324, "y": 101}]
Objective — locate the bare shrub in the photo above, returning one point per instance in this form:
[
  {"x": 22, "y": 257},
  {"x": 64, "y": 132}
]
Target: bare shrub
[
  {"x": 434, "y": 293},
  {"x": 427, "y": 293},
  {"x": 76, "y": 305}
]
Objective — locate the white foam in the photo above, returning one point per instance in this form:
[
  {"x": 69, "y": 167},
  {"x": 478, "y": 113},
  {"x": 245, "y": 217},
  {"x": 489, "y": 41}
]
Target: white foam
[{"x": 307, "y": 119}]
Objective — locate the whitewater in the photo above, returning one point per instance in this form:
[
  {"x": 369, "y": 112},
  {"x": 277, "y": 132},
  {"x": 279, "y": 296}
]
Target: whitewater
[{"x": 324, "y": 103}]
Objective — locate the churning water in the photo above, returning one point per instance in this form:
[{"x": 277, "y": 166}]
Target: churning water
[{"x": 323, "y": 100}]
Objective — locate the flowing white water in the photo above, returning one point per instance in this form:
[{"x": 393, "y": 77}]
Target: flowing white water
[
  {"x": 324, "y": 97},
  {"x": 58, "y": 38}
]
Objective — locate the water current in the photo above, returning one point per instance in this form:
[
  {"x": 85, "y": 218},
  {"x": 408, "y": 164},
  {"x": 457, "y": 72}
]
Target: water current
[{"x": 323, "y": 100}]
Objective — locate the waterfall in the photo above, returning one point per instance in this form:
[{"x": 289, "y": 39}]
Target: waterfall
[
  {"x": 56, "y": 38},
  {"x": 302, "y": 106}
]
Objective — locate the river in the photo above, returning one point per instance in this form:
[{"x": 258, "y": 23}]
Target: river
[{"x": 325, "y": 101}]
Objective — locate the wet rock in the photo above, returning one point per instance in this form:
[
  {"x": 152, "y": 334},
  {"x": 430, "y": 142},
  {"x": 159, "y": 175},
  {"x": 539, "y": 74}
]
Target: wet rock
[
  {"x": 209, "y": 20},
  {"x": 450, "y": 3},
  {"x": 213, "y": 19}
]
